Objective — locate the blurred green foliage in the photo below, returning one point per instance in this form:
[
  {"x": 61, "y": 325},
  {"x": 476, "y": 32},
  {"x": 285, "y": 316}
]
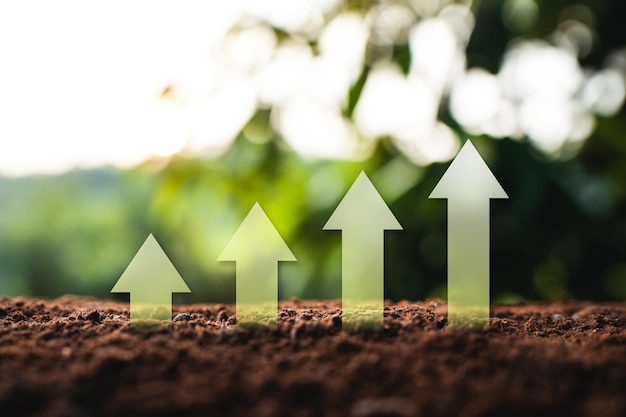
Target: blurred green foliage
[{"x": 562, "y": 233}]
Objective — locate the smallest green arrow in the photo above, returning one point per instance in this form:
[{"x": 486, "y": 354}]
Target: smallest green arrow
[{"x": 150, "y": 278}]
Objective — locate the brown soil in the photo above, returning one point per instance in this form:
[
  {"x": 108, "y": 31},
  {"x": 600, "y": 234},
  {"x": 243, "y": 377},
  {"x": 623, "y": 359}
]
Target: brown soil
[{"x": 78, "y": 357}]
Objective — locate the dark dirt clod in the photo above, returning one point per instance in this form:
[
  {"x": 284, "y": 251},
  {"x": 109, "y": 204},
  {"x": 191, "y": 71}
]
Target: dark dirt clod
[
  {"x": 222, "y": 316},
  {"x": 93, "y": 315},
  {"x": 75, "y": 356},
  {"x": 18, "y": 316},
  {"x": 183, "y": 317}
]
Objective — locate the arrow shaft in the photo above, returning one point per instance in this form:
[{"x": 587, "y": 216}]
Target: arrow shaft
[
  {"x": 362, "y": 279},
  {"x": 257, "y": 292},
  {"x": 468, "y": 262},
  {"x": 150, "y": 306}
]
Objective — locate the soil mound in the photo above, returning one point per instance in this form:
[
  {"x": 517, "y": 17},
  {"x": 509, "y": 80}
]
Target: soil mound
[{"x": 78, "y": 357}]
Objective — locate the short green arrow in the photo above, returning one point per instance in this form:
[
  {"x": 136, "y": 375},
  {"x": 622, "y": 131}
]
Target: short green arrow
[
  {"x": 468, "y": 184},
  {"x": 256, "y": 247},
  {"x": 150, "y": 278},
  {"x": 362, "y": 216}
]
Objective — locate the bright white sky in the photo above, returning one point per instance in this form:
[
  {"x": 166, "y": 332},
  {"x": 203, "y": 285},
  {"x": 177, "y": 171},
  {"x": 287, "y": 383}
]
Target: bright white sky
[{"x": 80, "y": 81}]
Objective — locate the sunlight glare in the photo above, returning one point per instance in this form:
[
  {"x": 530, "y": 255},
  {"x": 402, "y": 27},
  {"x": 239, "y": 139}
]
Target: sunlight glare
[
  {"x": 343, "y": 43},
  {"x": 538, "y": 69},
  {"x": 218, "y": 119},
  {"x": 167, "y": 129},
  {"x": 439, "y": 144},
  {"x": 547, "y": 122},
  {"x": 435, "y": 55},
  {"x": 282, "y": 74},
  {"x": 604, "y": 92},
  {"x": 392, "y": 105},
  {"x": 303, "y": 16},
  {"x": 390, "y": 23},
  {"x": 247, "y": 51},
  {"x": 475, "y": 99},
  {"x": 77, "y": 93},
  {"x": 543, "y": 82},
  {"x": 316, "y": 131}
]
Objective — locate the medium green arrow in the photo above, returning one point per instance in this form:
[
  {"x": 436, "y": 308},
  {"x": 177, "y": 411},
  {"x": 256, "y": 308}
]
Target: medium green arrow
[
  {"x": 150, "y": 278},
  {"x": 363, "y": 217},
  {"x": 468, "y": 184},
  {"x": 256, "y": 247}
]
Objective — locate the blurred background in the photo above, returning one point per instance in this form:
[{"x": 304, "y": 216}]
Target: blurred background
[{"x": 119, "y": 119}]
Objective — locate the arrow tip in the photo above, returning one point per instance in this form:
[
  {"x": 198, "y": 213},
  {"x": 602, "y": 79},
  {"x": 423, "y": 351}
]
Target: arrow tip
[
  {"x": 256, "y": 235},
  {"x": 150, "y": 272},
  {"x": 468, "y": 177},
  {"x": 361, "y": 206}
]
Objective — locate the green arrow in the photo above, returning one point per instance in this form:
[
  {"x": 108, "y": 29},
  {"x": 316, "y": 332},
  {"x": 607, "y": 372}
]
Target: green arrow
[
  {"x": 256, "y": 247},
  {"x": 468, "y": 184},
  {"x": 150, "y": 278},
  {"x": 363, "y": 217}
]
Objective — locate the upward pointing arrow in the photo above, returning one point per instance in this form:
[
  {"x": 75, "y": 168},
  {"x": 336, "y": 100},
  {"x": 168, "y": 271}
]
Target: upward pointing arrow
[
  {"x": 256, "y": 247},
  {"x": 468, "y": 184},
  {"x": 363, "y": 217},
  {"x": 150, "y": 278}
]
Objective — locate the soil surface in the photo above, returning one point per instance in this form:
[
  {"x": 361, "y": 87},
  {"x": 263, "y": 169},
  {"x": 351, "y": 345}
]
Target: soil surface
[{"x": 79, "y": 357}]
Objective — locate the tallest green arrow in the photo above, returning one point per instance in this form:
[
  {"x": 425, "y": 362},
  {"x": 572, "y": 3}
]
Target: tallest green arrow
[
  {"x": 469, "y": 185},
  {"x": 363, "y": 217}
]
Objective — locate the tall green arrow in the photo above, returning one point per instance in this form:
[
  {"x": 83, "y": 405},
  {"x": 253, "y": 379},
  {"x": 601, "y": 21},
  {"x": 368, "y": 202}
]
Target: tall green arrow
[
  {"x": 256, "y": 247},
  {"x": 363, "y": 217},
  {"x": 468, "y": 184},
  {"x": 150, "y": 278}
]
